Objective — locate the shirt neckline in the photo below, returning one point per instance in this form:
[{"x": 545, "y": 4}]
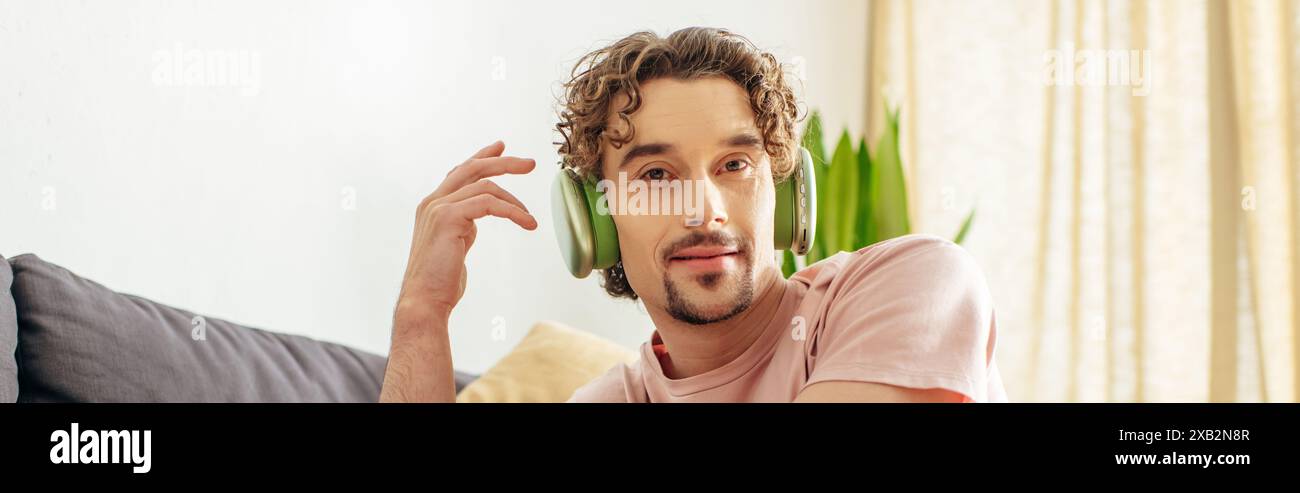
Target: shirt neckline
[{"x": 735, "y": 368}]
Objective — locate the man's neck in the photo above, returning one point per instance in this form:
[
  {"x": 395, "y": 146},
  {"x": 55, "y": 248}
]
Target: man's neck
[{"x": 696, "y": 349}]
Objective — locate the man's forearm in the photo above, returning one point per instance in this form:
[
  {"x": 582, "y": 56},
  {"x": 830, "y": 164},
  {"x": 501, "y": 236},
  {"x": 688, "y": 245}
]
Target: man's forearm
[{"x": 419, "y": 360}]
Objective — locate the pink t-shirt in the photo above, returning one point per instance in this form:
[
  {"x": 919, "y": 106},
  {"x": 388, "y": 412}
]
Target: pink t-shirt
[{"x": 912, "y": 311}]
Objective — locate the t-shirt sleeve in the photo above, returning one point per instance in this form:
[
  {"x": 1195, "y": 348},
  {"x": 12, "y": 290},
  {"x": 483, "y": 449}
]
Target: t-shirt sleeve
[{"x": 912, "y": 312}]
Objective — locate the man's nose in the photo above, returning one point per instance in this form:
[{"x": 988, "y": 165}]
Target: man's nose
[{"x": 710, "y": 206}]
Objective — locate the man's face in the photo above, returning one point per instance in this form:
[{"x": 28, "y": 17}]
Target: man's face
[{"x": 702, "y": 252}]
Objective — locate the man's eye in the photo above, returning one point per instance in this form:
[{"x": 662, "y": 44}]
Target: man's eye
[
  {"x": 735, "y": 165},
  {"x": 655, "y": 174}
]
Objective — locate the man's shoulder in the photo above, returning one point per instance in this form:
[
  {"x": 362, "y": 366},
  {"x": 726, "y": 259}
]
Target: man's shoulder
[
  {"x": 898, "y": 255},
  {"x": 913, "y": 311},
  {"x": 908, "y": 280}
]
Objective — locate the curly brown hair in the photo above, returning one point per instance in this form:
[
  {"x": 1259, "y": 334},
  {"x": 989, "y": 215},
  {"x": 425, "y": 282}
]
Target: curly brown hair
[{"x": 686, "y": 54}]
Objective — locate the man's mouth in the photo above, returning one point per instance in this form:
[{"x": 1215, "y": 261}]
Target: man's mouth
[{"x": 705, "y": 257}]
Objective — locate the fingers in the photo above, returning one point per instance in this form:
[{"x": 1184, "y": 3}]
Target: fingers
[
  {"x": 480, "y": 168},
  {"x": 466, "y": 186},
  {"x": 481, "y": 187},
  {"x": 492, "y": 150},
  {"x": 488, "y": 205}
]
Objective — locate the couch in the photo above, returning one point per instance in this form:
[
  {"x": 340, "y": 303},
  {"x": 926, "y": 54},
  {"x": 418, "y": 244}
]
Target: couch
[{"x": 64, "y": 338}]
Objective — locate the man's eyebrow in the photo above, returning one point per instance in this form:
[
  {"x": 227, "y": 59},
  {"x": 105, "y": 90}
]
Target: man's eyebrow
[
  {"x": 747, "y": 139},
  {"x": 641, "y": 150}
]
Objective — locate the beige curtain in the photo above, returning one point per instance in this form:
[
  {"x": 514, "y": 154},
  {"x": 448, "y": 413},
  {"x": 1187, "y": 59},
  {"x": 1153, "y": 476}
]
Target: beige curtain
[{"x": 1135, "y": 167}]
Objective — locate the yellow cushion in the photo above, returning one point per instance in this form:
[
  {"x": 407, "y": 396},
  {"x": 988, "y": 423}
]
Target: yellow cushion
[{"x": 551, "y": 362}]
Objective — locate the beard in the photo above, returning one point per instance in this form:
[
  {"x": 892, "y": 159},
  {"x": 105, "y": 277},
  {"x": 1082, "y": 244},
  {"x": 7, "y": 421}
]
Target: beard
[{"x": 683, "y": 309}]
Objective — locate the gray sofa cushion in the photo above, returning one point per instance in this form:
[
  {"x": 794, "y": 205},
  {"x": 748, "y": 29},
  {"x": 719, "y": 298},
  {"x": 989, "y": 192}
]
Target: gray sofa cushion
[
  {"x": 79, "y": 341},
  {"x": 8, "y": 336}
]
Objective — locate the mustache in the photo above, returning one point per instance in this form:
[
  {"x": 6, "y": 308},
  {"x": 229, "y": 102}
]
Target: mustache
[{"x": 703, "y": 238}]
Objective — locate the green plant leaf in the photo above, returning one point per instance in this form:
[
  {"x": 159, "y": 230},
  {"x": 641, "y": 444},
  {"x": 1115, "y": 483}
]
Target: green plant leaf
[
  {"x": 888, "y": 186},
  {"x": 861, "y": 195},
  {"x": 965, "y": 227},
  {"x": 865, "y": 229},
  {"x": 842, "y": 217}
]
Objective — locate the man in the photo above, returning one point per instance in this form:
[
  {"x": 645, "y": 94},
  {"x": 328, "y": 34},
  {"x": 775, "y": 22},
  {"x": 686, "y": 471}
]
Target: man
[{"x": 906, "y": 320}]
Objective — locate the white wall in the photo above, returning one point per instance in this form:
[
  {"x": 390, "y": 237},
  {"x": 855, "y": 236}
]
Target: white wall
[{"x": 284, "y": 199}]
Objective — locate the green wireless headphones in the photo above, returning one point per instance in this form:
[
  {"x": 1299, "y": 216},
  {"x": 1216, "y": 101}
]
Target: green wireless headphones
[{"x": 589, "y": 241}]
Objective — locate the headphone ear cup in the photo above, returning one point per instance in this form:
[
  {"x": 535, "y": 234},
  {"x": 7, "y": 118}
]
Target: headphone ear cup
[
  {"x": 602, "y": 227},
  {"x": 806, "y": 195},
  {"x": 796, "y": 208},
  {"x": 587, "y": 236},
  {"x": 573, "y": 229}
]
